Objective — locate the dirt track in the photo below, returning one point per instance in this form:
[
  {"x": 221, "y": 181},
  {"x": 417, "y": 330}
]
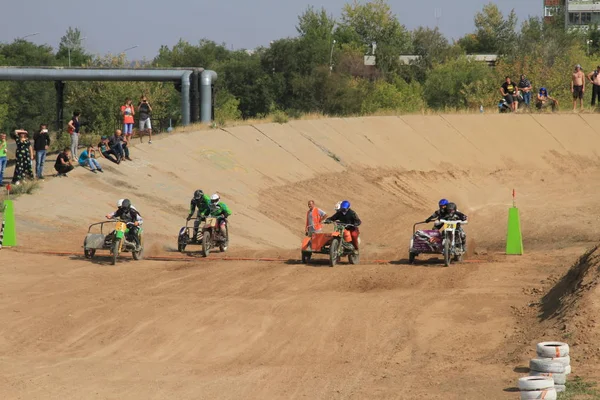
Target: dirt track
[{"x": 229, "y": 330}]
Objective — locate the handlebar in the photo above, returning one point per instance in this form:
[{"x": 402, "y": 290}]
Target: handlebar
[
  {"x": 453, "y": 222},
  {"x": 339, "y": 223}
]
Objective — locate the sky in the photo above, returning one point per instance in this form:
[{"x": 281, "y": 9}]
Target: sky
[{"x": 116, "y": 25}]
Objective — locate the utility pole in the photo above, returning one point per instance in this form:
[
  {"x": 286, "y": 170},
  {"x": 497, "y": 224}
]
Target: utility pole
[{"x": 437, "y": 13}]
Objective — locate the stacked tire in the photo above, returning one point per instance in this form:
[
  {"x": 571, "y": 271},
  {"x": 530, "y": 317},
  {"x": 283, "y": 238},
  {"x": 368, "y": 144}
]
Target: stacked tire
[
  {"x": 552, "y": 362},
  {"x": 537, "y": 387}
]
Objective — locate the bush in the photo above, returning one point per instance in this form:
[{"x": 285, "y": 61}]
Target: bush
[
  {"x": 280, "y": 117},
  {"x": 227, "y": 108},
  {"x": 456, "y": 83},
  {"x": 24, "y": 188}
]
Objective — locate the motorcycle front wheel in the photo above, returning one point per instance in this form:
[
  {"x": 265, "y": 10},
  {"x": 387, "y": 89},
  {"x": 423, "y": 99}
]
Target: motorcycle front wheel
[
  {"x": 206, "y": 244},
  {"x": 334, "y": 255},
  {"x": 115, "y": 250},
  {"x": 447, "y": 255}
]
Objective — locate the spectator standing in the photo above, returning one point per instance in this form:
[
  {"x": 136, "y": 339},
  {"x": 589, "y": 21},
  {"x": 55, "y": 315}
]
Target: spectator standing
[
  {"x": 24, "y": 156},
  {"x": 63, "y": 163},
  {"x": 544, "y": 100},
  {"x": 594, "y": 78},
  {"x": 41, "y": 142},
  {"x": 128, "y": 112},
  {"x": 578, "y": 87},
  {"x": 107, "y": 151},
  {"x": 525, "y": 88},
  {"x": 145, "y": 111},
  {"x": 508, "y": 91},
  {"x": 73, "y": 128},
  {"x": 3, "y": 159},
  {"x": 88, "y": 157},
  {"x": 314, "y": 219},
  {"x": 119, "y": 145}
]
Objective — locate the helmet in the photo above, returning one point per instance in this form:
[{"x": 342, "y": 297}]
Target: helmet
[
  {"x": 126, "y": 204},
  {"x": 120, "y": 203},
  {"x": 451, "y": 207},
  {"x": 214, "y": 199},
  {"x": 337, "y": 206},
  {"x": 443, "y": 203},
  {"x": 198, "y": 194},
  {"x": 344, "y": 206},
  {"x": 543, "y": 89}
]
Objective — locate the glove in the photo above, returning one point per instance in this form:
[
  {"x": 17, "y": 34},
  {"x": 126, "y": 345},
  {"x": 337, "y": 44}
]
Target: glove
[
  {"x": 188, "y": 218},
  {"x": 327, "y": 221},
  {"x": 427, "y": 220}
]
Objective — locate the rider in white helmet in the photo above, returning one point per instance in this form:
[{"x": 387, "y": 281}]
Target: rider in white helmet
[{"x": 220, "y": 210}]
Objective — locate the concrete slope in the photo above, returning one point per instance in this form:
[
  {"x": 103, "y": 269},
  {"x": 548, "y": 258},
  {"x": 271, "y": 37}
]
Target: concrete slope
[{"x": 393, "y": 170}]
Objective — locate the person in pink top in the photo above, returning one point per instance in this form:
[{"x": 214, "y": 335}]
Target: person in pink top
[{"x": 128, "y": 111}]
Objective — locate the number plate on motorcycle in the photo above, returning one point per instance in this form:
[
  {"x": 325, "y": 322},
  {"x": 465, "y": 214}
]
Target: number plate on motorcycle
[
  {"x": 121, "y": 226},
  {"x": 211, "y": 222}
]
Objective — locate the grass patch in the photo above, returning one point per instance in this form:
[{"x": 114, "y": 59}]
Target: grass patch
[
  {"x": 280, "y": 117},
  {"x": 579, "y": 389},
  {"x": 18, "y": 190}
]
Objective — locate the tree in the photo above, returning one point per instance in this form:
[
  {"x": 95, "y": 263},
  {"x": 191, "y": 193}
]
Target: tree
[
  {"x": 375, "y": 23},
  {"x": 494, "y": 33},
  {"x": 316, "y": 39},
  {"x": 431, "y": 46},
  {"x": 205, "y": 55},
  {"x": 246, "y": 80},
  {"x": 71, "y": 50},
  {"x": 27, "y": 103}
]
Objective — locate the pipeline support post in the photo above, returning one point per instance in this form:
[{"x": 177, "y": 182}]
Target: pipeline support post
[
  {"x": 207, "y": 79},
  {"x": 60, "y": 104},
  {"x": 195, "y": 96},
  {"x": 185, "y": 98}
]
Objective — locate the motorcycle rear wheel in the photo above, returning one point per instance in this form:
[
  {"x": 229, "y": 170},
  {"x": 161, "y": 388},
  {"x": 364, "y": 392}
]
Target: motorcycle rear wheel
[
  {"x": 306, "y": 256},
  {"x": 137, "y": 255},
  {"x": 411, "y": 257}
]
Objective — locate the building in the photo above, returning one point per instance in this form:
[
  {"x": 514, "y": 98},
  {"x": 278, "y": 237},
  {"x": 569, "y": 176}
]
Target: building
[{"x": 580, "y": 14}]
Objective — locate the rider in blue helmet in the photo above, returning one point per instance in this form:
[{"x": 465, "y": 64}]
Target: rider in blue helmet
[
  {"x": 441, "y": 211},
  {"x": 345, "y": 215}
]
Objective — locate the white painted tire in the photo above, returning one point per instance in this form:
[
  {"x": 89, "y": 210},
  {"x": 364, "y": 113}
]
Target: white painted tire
[
  {"x": 536, "y": 382},
  {"x": 566, "y": 360},
  {"x": 559, "y": 379},
  {"x": 548, "y": 394},
  {"x": 560, "y": 388},
  {"x": 552, "y": 349},
  {"x": 546, "y": 365},
  {"x": 567, "y": 370}
]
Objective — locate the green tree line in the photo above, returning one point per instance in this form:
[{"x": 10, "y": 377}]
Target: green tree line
[{"x": 321, "y": 70}]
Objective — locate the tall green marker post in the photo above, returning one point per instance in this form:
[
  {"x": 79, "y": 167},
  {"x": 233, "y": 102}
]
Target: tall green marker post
[
  {"x": 9, "y": 237},
  {"x": 514, "y": 239}
]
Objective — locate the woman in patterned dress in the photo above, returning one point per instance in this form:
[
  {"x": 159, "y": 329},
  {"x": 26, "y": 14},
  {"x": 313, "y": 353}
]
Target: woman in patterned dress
[{"x": 24, "y": 156}]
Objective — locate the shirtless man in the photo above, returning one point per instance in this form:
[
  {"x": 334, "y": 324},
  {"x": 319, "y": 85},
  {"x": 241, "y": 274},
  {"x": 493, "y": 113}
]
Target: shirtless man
[
  {"x": 578, "y": 87},
  {"x": 594, "y": 78}
]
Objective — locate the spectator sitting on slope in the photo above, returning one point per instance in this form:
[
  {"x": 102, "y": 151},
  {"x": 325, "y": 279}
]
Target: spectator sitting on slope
[
  {"x": 88, "y": 157},
  {"x": 544, "y": 100},
  {"x": 120, "y": 146},
  {"x": 107, "y": 151}
]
